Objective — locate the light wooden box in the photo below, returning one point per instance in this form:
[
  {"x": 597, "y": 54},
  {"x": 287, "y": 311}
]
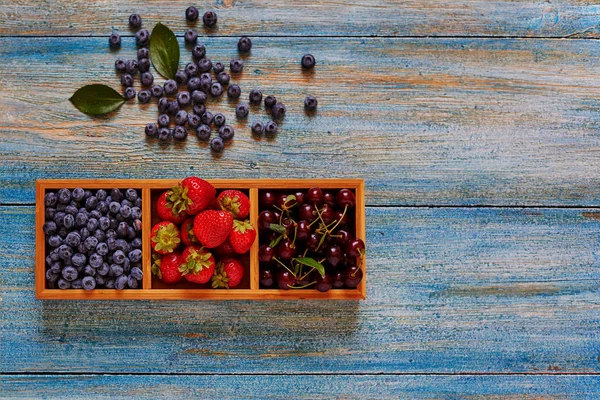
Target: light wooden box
[{"x": 152, "y": 288}]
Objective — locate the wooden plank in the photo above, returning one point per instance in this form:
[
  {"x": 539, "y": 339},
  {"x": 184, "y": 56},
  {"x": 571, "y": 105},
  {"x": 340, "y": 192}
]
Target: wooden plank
[
  {"x": 558, "y": 18},
  {"x": 491, "y": 290},
  {"x": 303, "y": 386},
  {"x": 445, "y": 121}
]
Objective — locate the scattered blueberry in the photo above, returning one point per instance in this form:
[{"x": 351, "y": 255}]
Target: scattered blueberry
[
  {"x": 191, "y": 69},
  {"x": 164, "y": 134},
  {"x": 217, "y": 145},
  {"x": 219, "y": 119},
  {"x": 223, "y": 78},
  {"x": 190, "y": 36},
  {"x": 179, "y": 133},
  {"x": 143, "y": 65},
  {"x": 181, "y": 77},
  {"x": 199, "y": 51},
  {"x": 144, "y": 96},
  {"x": 234, "y": 91},
  {"x": 143, "y": 52},
  {"x": 163, "y": 121},
  {"x": 204, "y": 65},
  {"x": 258, "y": 128},
  {"x": 129, "y": 93},
  {"x": 271, "y": 128},
  {"x": 216, "y": 89},
  {"x": 203, "y": 132},
  {"x": 181, "y": 117},
  {"x": 218, "y": 67},
  {"x": 209, "y": 18},
  {"x": 270, "y": 101},
  {"x": 199, "y": 109},
  {"x": 120, "y": 65},
  {"x": 255, "y": 96},
  {"x": 207, "y": 118},
  {"x": 142, "y": 37},
  {"x": 147, "y": 79},
  {"x": 193, "y": 84},
  {"x": 157, "y": 91},
  {"x": 173, "y": 107},
  {"x": 131, "y": 67},
  {"x": 244, "y": 44},
  {"x": 191, "y": 14},
  {"x": 236, "y": 65},
  {"x": 194, "y": 120},
  {"x": 278, "y": 111},
  {"x": 135, "y": 21},
  {"x": 163, "y": 105},
  {"x": 170, "y": 87},
  {"x": 226, "y": 132},
  {"x": 114, "y": 40},
  {"x": 184, "y": 98},
  {"x": 308, "y": 61},
  {"x": 151, "y": 130},
  {"x": 198, "y": 97},
  {"x": 241, "y": 111},
  {"x": 127, "y": 80}
]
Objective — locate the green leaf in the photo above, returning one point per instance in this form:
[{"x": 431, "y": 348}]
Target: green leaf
[
  {"x": 290, "y": 198},
  {"x": 278, "y": 228},
  {"x": 164, "y": 51},
  {"x": 311, "y": 262},
  {"x": 275, "y": 241},
  {"x": 96, "y": 99}
]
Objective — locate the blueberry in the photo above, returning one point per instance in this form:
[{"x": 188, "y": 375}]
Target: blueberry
[
  {"x": 226, "y": 132},
  {"x": 173, "y": 107},
  {"x": 223, "y": 78},
  {"x": 63, "y": 284},
  {"x": 143, "y": 52},
  {"x": 132, "y": 282},
  {"x": 218, "y": 67},
  {"x": 99, "y": 280},
  {"x": 194, "y": 83},
  {"x": 54, "y": 255},
  {"x": 69, "y": 273},
  {"x": 127, "y": 80},
  {"x": 217, "y": 145},
  {"x": 135, "y": 256},
  {"x": 77, "y": 284},
  {"x": 271, "y": 128},
  {"x": 88, "y": 193},
  {"x": 207, "y": 118},
  {"x": 103, "y": 269},
  {"x": 136, "y": 273},
  {"x": 137, "y": 225},
  {"x": 164, "y": 134},
  {"x": 90, "y": 243},
  {"x": 216, "y": 89},
  {"x": 234, "y": 91},
  {"x": 180, "y": 132},
  {"x": 137, "y": 202},
  {"x": 184, "y": 99},
  {"x": 241, "y": 111},
  {"x": 151, "y": 130},
  {"x": 170, "y": 87},
  {"x": 129, "y": 93},
  {"x": 96, "y": 213},
  {"x": 255, "y": 96},
  {"x": 191, "y": 13},
  {"x": 84, "y": 233},
  {"x": 64, "y": 196},
  {"x": 199, "y": 51},
  {"x": 69, "y": 221},
  {"x": 63, "y": 232},
  {"x": 203, "y": 132},
  {"x": 56, "y": 267},
  {"x": 209, "y": 18},
  {"x": 95, "y": 259},
  {"x": 244, "y": 44},
  {"x": 131, "y": 194},
  {"x": 81, "y": 220},
  {"x": 205, "y": 82},
  {"x": 81, "y": 248},
  {"x": 73, "y": 239},
  {"x": 125, "y": 210},
  {"x": 114, "y": 40},
  {"x": 109, "y": 284},
  {"x": 120, "y": 65},
  {"x": 102, "y": 207},
  {"x": 113, "y": 223},
  {"x": 131, "y": 66},
  {"x": 199, "y": 109},
  {"x": 51, "y": 276},
  {"x": 78, "y": 194},
  {"x": 135, "y": 21},
  {"x": 101, "y": 194},
  {"x": 88, "y": 270},
  {"x": 194, "y": 120},
  {"x": 114, "y": 207},
  {"x": 157, "y": 91},
  {"x": 142, "y": 37},
  {"x": 144, "y": 65},
  {"x": 121, "y": 282},
  {"x": 278, "y": 111},
  {"x": 92, "y": 224},
  {"x": 198, "y": 97},
  {"x": 122, "y": 229},
  {"x": 50, "y": 199},
  {"x": 88, "y": 283},
  {"x": 136, "y": 243},
  {"x": 144, "y": 96},
  {"x": 236, "y": 65},
  {"x": 126, "y": 265},
  {"x": 190, "y": 36},
  {"x": 147, "y": 79},
  {"x": 310, "y": 103},
  {"x": 181, "y": 77},
  {"x": 308, "y": 61},
  {"x": 204, "y": 65},
  {"x": 163, "y": 104},
  {"x": 116, "y": 270},
  {"x": 71, "y": 210},
  {"x": 49, "y": 228},
  {"x": 258, "y": 128},
  {"x": 59, "y": 217},
  {"x": 100, "y": 235},
  {"x": 219, "y": 119},
  {"x": 102, "y": 249},
  {"x": 61, "y": 207},
  {"x": 191, "y": 69}
]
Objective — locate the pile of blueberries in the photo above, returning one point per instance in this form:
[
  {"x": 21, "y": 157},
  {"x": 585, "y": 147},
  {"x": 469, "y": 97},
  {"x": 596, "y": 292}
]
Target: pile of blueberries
[
  {"x": 94, "y": 239},
  {"x": 173, "y": 101}
]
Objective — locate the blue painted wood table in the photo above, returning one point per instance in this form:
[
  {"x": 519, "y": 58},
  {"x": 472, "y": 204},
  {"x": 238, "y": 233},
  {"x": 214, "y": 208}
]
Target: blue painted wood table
[{"x": 476, "y": 127}]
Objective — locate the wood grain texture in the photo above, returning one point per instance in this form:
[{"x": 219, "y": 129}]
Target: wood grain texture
[
  {"x": 424, "y": 121},
  {"x": 531, "y": 18},
  {"x": 450, "y": 290},
  {"x": 377, "y": 387}
]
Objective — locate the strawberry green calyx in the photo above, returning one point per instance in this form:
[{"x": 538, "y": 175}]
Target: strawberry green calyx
[
  {"x": 166, "y": 238},
  {"x": 242, "y": 226},
  {"x": 178, "y": 199},
  {"x": 220, "y": 278},
  {"x": 156, "y": 259},
  {"x": 196, "y": 261},
  {"x": 231, "y": 204}
]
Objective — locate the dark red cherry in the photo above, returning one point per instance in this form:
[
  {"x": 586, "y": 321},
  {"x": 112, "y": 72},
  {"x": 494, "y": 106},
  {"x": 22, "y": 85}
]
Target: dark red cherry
[
  {"x": 345, "y": 197},
  {"x": 334, "y": 255},
  {"x": 302, "y": 231},
  {"x": 271, "y": 236},
  {"x": 299, "y": 197},
  {"x": 313, "y": 241},
  {"x": 266, "y": 277},
  {"x": 338, "y": 280},
  {"x": 355, "y": 248},
  {"x": 267, "y": 199},
  {"x": 329, "y": 197},
  {"x": 288, "y": 224},
  {"x": 266, "y": 253},
  {"x": 303, "y": 281},
  {"x": 286, "y": 250},
  {"x": 341, "y": 237},
  {"x": 277, "y": 215},
  {"x": 285, "y": 279},
  {"x": 266, "y": 218},
  {"x": 324, "y": 283},
  {"x": 315, "y": 196},
  {"x": 352, "y": 276},
  {"x": 344, "y": 219},
  {"x": 327, "y": 214},
  {"x": 307, "y": 213}
]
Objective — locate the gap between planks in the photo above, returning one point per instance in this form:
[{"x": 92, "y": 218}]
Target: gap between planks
[{"x": 541, "y": 373}]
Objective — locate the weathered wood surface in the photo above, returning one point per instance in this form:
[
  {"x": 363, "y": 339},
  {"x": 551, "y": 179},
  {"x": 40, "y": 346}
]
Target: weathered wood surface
[
  {"x": 424, "y": 121},
  {"x": 377, "y": 387},
  {"x": 451, "y": 290},
  {"x": 530, "y": 18}
]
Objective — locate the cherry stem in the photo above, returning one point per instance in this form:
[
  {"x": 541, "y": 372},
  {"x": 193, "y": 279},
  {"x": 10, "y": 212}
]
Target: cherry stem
[
  {"x": 313, "y": 222},
  {"x": 305, "y": 275},
  {"x": 341, "y": 218},
  {"x": 284, "y": 266},
  {"x": 295, "y": 234},
  {"x": 302, "y": 287}
]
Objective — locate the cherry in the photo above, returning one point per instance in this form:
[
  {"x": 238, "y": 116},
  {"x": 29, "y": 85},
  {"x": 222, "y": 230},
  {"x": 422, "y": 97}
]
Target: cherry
[
  {"x": 266, "y": 253},
  {"x": 285, "y": 279},
  {"x": 355, "y": 248},
  {"x": 271, "y": 236},
  {"x": 338, "y": 280},
  {"x": 299, "y": 197},
  {"x": 307, "y": 213},
  {"x": 329, "y": 198},
  {"x": 352, "y": 276},
  {"x": 345, "y": 197},
  {"x": 341, "y": 237},
  {"x": 324, "y": 283},
  {"x": 266, "y": 277},
  {"x": 281, "y": 202},
  {"x": 288, "y": 224},
  {"x": 277, "y": 215},
  {"x": 339, "y": 215},
  {"x": 286, "y": 250},
  {"x": 315, "y": 196},
  {"x": 327, "y": 214},
  {"x": 267, "y": 199},
  {"x": 334, "y": 255},
  {"x": 266, "y": 218},
  {"x": 313, "y": 241},
  {"x": 303, "y": 281},
  {"x": 302, "y": 231}
]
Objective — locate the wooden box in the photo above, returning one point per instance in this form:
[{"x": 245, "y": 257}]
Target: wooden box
[{"x": 154, "y": 289}]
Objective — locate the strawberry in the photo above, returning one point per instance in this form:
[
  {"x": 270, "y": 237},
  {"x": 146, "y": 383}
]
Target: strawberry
[
  {"x": 165, "y": 209},
  {"x": 214, "y": 205},
  {"x": 242, "y": 236},
  {"x": 187, "y": 232},
  {"x": 235, "y": 202},
  {"x": 164, "y": 237},
  {"x": 224, "y": 249},
  {"x": 167, "y": 267},
  {"x": 197, "y": 264},
  {"x": 229, "y": 274},
  {"x": 191, "y": 195},
  {"x": 212, "y": 227}
]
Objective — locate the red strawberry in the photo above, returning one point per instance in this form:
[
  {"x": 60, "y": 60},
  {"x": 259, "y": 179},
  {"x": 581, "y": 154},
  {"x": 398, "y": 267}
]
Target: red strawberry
[
  {"x": 214, "y": 205},
  {"x": 242, "y": 236},
  {"x": 164, "y": 237},
  {"x": 167, "y": 267},
  {"x": 165, "y": 209},
  {"x": 187, "y": 232},
  {"x": 197, "y": 264},
  {"x": 224, "y": 249},
  {"x": 212, "y": 227},
  {"x": 192, "y": 195},
  {"x": 235, "y": 202},
  {"x": 229, "y": 274}
]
